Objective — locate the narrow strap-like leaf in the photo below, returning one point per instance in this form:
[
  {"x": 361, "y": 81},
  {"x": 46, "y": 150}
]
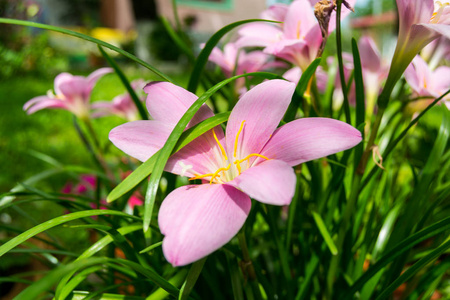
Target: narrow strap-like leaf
[
  {"x": 191, "y": 279},
  {"x": 172, "y": 140},
  {"x": 202, "y": 58},
  {"x": 87, "y": 38},
  {"x": 55, "y": 222},
  {"x": 134, "y": 97},
  {"x": 360, "y": 101},
  {"x": 398, "y": 250},
  {"x": 301, "y": 89},
  {"x": 413, "y": 270}
]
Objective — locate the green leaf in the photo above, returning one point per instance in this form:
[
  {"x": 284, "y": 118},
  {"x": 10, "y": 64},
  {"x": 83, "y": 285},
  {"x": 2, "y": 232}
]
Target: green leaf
[
  {"x": 301, "y": 89},
  {"x": 396, "y": 251},
  {"x": 172, "y": 140},
  {"x": 360, "y": 100},
  {"x": 306, "y": 76},
  {"x": 87, "y": 38},
  {"x": 177, "y": 40},
  {"x": 414, "y": 269},
  {"x": 202, "y": 58},
  {"x": 45, "y": 283},
  {"x": 325, "y": 234},
  {"x": 150, "y": 248},
  {"x": 144, "y": 170},
  {"x": 99, "y": 245},
  {"x": 55, "y": 222},
  {"x": 134, "y": 97},
  {"x": 194, "y": 273}
]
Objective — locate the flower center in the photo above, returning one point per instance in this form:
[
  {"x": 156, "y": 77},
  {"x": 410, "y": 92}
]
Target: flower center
[
  {"x": 233, "y": 167},
  {"x": 439, "y": 9}
]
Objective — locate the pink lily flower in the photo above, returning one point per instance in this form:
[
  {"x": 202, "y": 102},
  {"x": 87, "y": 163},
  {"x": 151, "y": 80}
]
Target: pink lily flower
[
  {"x": 72, "y": 94},
  {"x": 297, "y": 40},
  {"x": 420, "y": 22},
  {"x": 122, "y": 105},
  {"x": 426, "y": 82},
  {"x": 253, "y": 159},
  {"x": 231, "y": 60}
]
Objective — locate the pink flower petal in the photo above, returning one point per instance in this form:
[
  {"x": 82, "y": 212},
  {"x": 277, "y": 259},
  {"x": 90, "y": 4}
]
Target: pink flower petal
[
  {"x": 262, "y": 109},
  {"x": 310, "y": 138},
  {"x": 46, "y": 103},
  {"x": 35, "y": 100},
  {"x": 271, "y": 182},
  {"x": 299, "y": 20},
  {"x": 199, "y": 219},
  {"x": 140, "y": 139},
  {"x": 94, "y": 77},
  {"x": 168, "y": 102},
  {"x": 258, "y": 35},
  {"x": 370, "y": 56}
]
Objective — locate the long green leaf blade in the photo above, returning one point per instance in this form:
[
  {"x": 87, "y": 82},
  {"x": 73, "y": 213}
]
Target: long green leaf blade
[{"x": 55, "y": 222}]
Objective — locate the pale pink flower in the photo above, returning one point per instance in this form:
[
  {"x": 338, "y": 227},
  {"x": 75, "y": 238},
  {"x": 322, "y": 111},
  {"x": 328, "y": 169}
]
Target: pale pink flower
[
  {"x": 72, "y": 93},
  {"x": 253, "y": 159},
  {"x": 296, "y": 40},
  {"x": 122, "y": 105},
  {"x": 235, "y": 61},
  {"x": 420, "y": 22},
  {"x": 426, "y": 82}
]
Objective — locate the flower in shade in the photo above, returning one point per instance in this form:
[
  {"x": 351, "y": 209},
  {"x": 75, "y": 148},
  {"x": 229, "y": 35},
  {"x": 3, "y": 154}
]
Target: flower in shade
[
  {"x": 122, "y": 105},
  {"x": 296, "y": 40},
  {"x": 426, "y": 82},
  {"x": 72, "y": 93},
  {"x": 252, "y": 159},
  {"x": 420, "y": 22}
]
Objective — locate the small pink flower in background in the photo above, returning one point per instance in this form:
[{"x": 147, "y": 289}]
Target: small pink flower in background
[
  {"x": 436, "y": 52},
  {"x": 426, "y": 82},
  {"x": 135, "y": 200},
  {"x": 297, "y": 40},
  {"x": 374, "y": 69},
  {"x": 420, "y": 22},
  {"x": 231, "y": 60},
  {"x": 122, "y": 105},
  {"x": 72, "y": 93},
  {"x": 252, "y": 159}
]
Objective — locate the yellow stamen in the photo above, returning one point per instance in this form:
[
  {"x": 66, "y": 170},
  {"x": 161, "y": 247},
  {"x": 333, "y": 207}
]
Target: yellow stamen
[
  {"x": 201, "y": 176},
  {"x": 238, "y": 162},
  {"x": 438, "y": 13},
  {"x": 237, "y": 138},
  {"x": 251, "y": 155},
  {"x": 224, "y": 154},
  {"x": 216, "y": 174},
  {"x": 298, "y": 29}
]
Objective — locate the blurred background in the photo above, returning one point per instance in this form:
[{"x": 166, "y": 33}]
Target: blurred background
[{"x": 30, "y": 58}]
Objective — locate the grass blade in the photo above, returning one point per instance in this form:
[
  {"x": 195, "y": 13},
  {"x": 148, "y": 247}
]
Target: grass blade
[
  {"x": 396, "y": 251},
  {"x": 55, "y": 222},
  {"x": 414, "y": 269},
  {"x": 325, "y": 234},
  {"x": 194, "y": 273}
]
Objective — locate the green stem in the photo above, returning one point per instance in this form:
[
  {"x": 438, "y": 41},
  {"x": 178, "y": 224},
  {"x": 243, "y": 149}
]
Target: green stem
[
  {"x": 341, "y": 63},
  {"x": 247, "y": 267}
]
